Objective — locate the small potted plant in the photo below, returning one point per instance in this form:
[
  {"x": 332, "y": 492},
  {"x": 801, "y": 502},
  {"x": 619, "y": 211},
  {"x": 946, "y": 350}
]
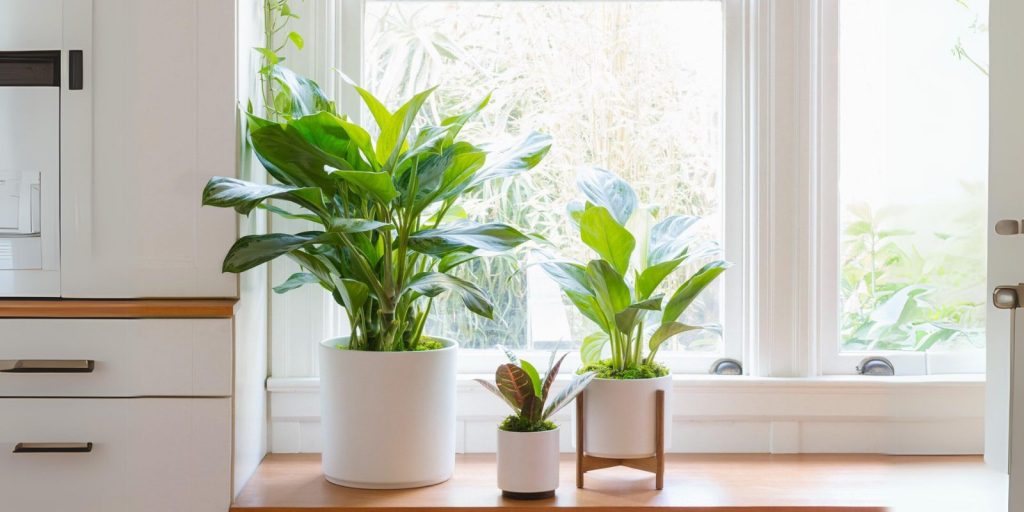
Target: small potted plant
[
  {"x": 528, "y": 439},
  {"x": 383, "y": 246},
  {"x": 620, "y": 291}
]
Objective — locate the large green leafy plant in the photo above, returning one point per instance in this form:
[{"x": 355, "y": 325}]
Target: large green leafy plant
[
  {"x": 526, "y": 391},
  {"x": 620, "y": 290},
  {"x": 384, "y": 243}
]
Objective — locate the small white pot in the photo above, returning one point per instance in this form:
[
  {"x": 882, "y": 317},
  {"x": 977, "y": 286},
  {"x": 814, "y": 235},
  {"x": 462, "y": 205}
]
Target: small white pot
[
  {"x": 388, "y": 418},
  {"x": 528, "y": 464},
  {"x": 620, "y": 416}
]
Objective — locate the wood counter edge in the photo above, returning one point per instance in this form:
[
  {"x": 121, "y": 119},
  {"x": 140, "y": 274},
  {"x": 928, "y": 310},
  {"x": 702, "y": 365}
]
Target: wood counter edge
[{"x": 117, "y": 308}]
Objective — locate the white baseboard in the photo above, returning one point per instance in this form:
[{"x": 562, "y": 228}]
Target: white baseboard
[{"x": 717, "y": 414}]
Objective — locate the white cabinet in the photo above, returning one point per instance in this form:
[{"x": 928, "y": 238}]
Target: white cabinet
[
  {"x": 147, "y": 454},
  {"x": 159, "y": 89},
  {"x": 129, "y": 358}
]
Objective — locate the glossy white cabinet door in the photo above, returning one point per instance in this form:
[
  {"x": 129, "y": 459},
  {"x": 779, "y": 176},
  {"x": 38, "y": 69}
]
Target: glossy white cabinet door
[
  {"x": 160, "y": 75},
  {"x": 148, "y": 454}
]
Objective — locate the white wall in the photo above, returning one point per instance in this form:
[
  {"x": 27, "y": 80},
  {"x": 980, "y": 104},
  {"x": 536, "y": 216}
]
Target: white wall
[
  {"x": 251, "y": 421},
  {"x": 1006, "y": 201}
]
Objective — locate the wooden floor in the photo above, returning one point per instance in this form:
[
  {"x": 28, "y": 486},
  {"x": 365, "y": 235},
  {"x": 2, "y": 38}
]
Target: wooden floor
[{"x": 717, "y": 483}]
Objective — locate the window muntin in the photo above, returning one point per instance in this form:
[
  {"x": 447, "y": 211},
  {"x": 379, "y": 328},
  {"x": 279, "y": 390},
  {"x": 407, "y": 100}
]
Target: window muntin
[
  {"x": 636, "y": 87},
  {"x": 913, "y": 142}
]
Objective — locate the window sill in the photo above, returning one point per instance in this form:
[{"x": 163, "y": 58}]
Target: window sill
[{"x": 693, "y": 482}]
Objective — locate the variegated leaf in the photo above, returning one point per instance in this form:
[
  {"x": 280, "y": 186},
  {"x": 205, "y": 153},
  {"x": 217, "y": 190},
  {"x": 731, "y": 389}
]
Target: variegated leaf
[{"x": 563, "y": 398}]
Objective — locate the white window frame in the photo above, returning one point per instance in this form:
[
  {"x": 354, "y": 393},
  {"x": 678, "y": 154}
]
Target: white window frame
[{"x": 824, "y": 30}]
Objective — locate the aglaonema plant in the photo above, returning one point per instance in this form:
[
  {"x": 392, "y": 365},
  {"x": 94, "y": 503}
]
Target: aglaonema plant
[
  {"x": 621, "y": 289},
  {"x": 525, "y": 390},
  {"x": 384, "y": 243}
]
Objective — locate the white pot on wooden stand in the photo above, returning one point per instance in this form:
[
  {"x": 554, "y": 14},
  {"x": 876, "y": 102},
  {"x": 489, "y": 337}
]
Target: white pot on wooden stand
[
  {"x": 528, "y": 464},
  {"x": 388, "y": 418},
  {"x": 619, "y": 417}
]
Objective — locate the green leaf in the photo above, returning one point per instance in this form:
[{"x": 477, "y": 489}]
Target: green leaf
[
  {"x": 340, "y": 225},
  {"x": 454, "y": 259},
  {"x": 608, "y": 238},
  {"x": 462, "y": 236},
  {"x": 243, "y": 196},
  {"x": 353, "y": 293},
  {"x": 292, "y": 160},
  {"x": 455, "y": 123},
  {"x": 289, "y": 215},
  {"x": 653, "y": 276},
  {"x": 269, "y": 55},
  {"x": 305, "y": 95},
  {"x": 296, "y": 39},
  {"x": 534, "y": 377},
  {"x": 667, "y": 330},
  {"x": 626, "y": 320},
  {"x": 324, "y": 131},
  {"x": 380, "y": 113},
  {"x": 432, "y": 284},
  {"x": 609, "y": 288},
  {"x": 296, "y": 280},
  {"x": 512, "y": 357},
  {"x": 378, "y": 184},
  {"x": 605, "y": 189},
  {"x": 563, "y": 398},
  {"x": 521, "y": 155},
  {"x": 569, "y": 276},
  {"x": 392, "y": 136},
  {"x": 588, "y": 305},
  {"x": 593, "y": 345},
  {"x": 670, "y": 238},
  {"x": 689, "y": 290},
  {"x": 250, "y": 251}
]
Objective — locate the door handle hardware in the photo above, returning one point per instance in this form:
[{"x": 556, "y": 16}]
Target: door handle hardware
[
  {"x": 52, "y": 448},
  {"x": 47, "y": 365},
  {"x": 1007, "y": 297}
]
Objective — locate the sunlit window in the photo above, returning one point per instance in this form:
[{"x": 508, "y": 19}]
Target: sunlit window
[
  {"x": 913, "y": 141},
  {"x": 634, "y": 87}
]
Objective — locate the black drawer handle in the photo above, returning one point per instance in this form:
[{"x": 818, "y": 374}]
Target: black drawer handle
[
  {"x": 47, "y": 365},
  {"x": 75, "y": 70},
  {"x": 52, "y": 448}
]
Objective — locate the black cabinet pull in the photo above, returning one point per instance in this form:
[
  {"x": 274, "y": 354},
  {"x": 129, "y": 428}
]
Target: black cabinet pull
[
  {"x": 75, "y": 70},
  {"x": 52, "y": 448},
  {"x": 47, "y": 365}
]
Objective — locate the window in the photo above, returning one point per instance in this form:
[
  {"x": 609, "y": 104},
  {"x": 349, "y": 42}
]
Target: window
[
  {"x": 634, "y": 87},
  {"x": 911, "y": 134}
]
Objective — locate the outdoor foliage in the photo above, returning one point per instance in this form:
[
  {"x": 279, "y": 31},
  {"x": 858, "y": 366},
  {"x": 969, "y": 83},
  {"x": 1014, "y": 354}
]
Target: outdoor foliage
[
  {"x": 386, "y": 244},
  {"x": 624, "y": 87},
  {"x": 622, "y": 290},
  {"x": 525, "y": 390}
]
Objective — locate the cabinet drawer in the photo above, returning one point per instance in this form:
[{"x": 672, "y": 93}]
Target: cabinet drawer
[
  {"x": 145, "y": 357},
  {"x": 147, "y": 454}
]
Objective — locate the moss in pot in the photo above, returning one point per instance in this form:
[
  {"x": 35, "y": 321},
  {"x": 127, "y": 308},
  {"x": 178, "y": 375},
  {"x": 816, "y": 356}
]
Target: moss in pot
[
  {"x": 622, "y": 292},
  {"x": 384, "y": 243},
  {"x": 527, "y": 439}
]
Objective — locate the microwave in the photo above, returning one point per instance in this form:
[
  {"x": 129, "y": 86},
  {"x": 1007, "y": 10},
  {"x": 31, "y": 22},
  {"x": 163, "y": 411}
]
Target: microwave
[{"x": 35, "y": 72}]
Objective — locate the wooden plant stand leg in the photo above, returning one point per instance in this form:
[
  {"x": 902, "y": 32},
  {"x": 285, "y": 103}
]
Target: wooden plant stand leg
[{"x": 654, "y": 464}]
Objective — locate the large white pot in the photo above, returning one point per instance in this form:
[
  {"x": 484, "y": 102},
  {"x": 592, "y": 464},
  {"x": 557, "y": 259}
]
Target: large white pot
[
  {"x": 528, "y": 464},
  {"x": 619, "y": 417},
  {"x": 388, "y": 418}
]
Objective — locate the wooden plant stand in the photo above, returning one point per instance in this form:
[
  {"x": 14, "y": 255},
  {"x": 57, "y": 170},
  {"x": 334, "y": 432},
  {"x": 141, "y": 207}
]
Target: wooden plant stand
[{"x": 654, "y": 464}]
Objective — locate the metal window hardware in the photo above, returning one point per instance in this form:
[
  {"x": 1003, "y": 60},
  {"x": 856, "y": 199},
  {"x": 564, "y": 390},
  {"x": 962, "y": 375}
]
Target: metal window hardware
[
  {"x": 1008, "y": 227},
  {"x": 52, "y": 448},
  {"x": 876, "y": 365},
  {"x": 726, "y": 366},
  {"x": 47, "y": 365},
  {"x": 1007, "y": 297}
]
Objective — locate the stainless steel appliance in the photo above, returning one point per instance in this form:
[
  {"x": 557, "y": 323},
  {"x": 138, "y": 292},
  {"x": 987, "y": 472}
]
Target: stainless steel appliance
[{"x": 34, "y": 70}]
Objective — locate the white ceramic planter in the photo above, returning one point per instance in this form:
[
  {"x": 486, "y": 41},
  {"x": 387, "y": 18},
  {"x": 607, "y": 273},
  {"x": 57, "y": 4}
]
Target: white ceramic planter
[
  {"x": 528, "y": 464},
  {"x": 620, "y": 417},
  {"x": 388, "y": 418}
]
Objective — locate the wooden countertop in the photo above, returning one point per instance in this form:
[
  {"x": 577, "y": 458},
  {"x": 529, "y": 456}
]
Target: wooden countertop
[
  {"x": 104, "y": 308},
  {"x": 719, "y": 483}
]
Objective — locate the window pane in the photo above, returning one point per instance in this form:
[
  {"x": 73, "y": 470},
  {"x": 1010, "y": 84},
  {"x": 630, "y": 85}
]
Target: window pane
[
  {"x": 634, "y": 87},
  {"x": 913, "y": 143}
]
